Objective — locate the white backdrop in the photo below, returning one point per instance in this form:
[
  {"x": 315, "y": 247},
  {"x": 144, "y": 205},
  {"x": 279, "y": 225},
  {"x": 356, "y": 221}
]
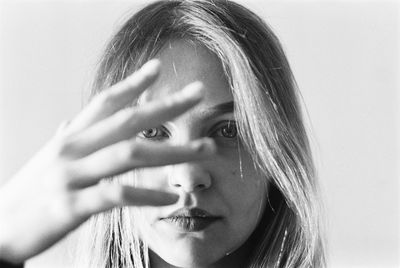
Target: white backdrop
[{"x": 345, "y": 56}]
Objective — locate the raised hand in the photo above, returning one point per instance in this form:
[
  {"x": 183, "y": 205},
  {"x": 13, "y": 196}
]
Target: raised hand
[{"x": 59, "y": 188}]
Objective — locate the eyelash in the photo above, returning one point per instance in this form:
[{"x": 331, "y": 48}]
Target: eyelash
[
  {"x": 160, "y": 133},
  {"x": 148, "y": 136},
  {"x": 227, "y": 124}
]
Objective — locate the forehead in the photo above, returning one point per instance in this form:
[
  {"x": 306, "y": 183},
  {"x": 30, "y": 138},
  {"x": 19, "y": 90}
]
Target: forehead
[{"x": 183, "y": 62}]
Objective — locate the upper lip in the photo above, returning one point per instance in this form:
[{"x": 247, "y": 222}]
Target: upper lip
[{"x": 191, "y": 212}]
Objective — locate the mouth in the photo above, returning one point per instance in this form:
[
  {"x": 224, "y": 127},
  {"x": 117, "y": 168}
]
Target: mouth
[{"x": 191, "y": 220}]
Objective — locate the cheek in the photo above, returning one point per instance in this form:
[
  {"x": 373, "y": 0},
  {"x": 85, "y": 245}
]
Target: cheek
[
  {"x": 243, "y": 189},
  {"x": 238, "y": 174}
]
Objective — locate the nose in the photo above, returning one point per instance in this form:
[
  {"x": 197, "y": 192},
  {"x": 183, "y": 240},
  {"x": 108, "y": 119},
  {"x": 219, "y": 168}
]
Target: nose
[{"x": 189, "y": 177}]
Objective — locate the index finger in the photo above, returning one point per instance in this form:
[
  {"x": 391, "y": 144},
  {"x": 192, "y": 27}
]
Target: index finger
[{"x": 117, "y": 96}]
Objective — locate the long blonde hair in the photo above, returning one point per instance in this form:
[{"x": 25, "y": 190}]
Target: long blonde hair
[{"x": 269, "y": 120}]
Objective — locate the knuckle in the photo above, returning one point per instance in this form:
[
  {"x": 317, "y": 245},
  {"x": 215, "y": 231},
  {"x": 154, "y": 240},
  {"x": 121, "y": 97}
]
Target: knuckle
[
  {"x": 141, "y": 114},
  {"x": 65, "y": 208},
  {"x": 73, "y": 208},
  {"x": 61, "y": 177},
  {"x": 106, "y": 100},
  {"x": 113, "y": 193},
  {"x": 67, "y": 177},
  {"x": 170, "y": 102},
  {"x": 119, "y": 193},
  {"x": 65, "y": 146},
  {"x": 61, "y": 144},
  {"x": 63, "y": 172},
  {"x": 127, "y": 118},
  {"x": 70, "y": 204}
]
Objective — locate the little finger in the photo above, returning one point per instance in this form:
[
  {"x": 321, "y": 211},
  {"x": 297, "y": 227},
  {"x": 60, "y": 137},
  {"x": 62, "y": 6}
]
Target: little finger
[{"x": 105, "y": 196}]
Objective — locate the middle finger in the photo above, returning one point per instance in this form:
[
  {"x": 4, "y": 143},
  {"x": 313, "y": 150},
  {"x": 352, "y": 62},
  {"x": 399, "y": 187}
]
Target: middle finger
[{"x": 126, "y": 123}]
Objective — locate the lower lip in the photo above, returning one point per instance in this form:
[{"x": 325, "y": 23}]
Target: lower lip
[{"x": 191, "y": 224}]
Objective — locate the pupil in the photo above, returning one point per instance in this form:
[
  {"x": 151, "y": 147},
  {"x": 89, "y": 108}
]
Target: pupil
[
  {"x": 149, "y": 133},
  {"x": 229, "y": 131}
]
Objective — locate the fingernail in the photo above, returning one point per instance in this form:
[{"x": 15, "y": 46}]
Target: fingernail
[
  {"x": 194, "y": 90},
  {"x": 151, "y": 67},
  {"x": 205, "y": 146}
]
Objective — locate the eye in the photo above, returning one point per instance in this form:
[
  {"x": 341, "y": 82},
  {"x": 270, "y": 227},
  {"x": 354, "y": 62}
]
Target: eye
[
  {"x": 227, "y": 130},
  {"x": 153, "y": 134}
]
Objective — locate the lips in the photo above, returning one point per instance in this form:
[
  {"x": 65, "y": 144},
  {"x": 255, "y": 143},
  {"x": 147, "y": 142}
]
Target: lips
[{"x": 191, "y": 220}]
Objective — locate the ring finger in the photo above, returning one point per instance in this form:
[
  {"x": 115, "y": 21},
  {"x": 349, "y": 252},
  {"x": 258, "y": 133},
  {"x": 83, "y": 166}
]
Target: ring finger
[{"x": 127, "y": 155}]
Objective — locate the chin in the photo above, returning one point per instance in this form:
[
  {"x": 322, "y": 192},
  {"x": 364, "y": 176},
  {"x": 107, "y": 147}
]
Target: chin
[{"x": 191, "y": 255}]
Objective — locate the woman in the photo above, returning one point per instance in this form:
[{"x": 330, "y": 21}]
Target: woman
[{"x": 248, "y": 198}]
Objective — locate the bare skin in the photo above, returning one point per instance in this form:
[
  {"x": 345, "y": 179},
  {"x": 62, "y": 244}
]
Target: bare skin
[{"x": 59, "y": 188}]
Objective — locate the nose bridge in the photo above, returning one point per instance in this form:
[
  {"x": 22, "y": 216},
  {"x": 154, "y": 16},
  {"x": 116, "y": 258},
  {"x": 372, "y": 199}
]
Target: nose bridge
[
  {"x": 189, "y": 177},
  {"x": 186, "y": 128}
]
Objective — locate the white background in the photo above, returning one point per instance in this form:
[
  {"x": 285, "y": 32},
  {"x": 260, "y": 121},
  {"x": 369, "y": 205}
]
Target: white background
[{"x": 345, "y": 56}]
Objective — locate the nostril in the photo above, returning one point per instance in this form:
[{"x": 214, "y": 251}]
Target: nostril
[
  {"x": 198, "y": 187},
  {"x": 201, "y": 186},
  {"x": 189, "y": 177}
]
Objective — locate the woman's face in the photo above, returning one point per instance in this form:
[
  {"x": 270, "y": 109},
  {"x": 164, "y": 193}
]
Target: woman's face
[{"x": 221, "y": 198}]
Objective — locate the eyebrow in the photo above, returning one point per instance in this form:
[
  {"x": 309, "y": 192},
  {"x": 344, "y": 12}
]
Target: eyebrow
[{"x": 219, "y": 109}]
